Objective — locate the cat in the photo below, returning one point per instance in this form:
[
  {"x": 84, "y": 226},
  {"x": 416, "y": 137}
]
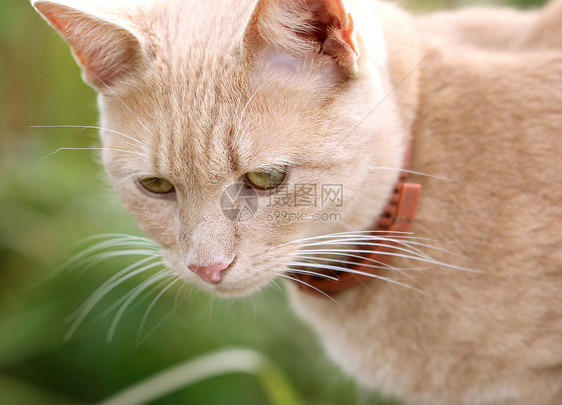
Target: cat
[{"x": 275, "y": 96}]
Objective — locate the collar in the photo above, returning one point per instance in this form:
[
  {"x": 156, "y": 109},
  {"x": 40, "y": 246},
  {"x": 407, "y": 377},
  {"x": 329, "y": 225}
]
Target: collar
[{"x": 397, "y": 217}]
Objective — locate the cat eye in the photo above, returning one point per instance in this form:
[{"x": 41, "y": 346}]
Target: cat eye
[
  {"x": 267, "y": 180},
  {"x": 157, "y": 185}
]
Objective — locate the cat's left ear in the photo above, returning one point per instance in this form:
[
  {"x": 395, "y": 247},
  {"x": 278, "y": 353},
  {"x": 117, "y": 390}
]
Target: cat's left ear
[
  {"x": 302, "y": 28},
  {"x": 108, "y": 52}
]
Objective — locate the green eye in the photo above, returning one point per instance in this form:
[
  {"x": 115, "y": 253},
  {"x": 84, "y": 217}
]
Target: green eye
[
  {"x": 157, "y": 185},
  {"x": 267, "y": 180}
]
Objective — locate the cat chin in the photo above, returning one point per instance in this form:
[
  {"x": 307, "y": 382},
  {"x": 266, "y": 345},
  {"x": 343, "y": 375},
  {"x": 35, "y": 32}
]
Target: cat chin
[
  {"x": 234, "y": 292},
  {"x": 240, "y": 288},
  {"x": 231, "y": 289}
]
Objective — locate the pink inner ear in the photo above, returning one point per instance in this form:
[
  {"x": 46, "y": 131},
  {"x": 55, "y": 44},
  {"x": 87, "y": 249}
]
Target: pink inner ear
[
  {"x": 64, "y": 27},
  {"x": 57, "y": 22},
  {"x": 105, "y": 51}
]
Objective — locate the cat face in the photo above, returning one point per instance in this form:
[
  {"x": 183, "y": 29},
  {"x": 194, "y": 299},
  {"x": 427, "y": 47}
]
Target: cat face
[{"x": 230, "y": 138}]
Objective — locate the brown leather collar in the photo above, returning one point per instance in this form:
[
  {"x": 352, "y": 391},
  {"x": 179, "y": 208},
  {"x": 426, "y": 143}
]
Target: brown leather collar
[{"x": 397, "y": 217}]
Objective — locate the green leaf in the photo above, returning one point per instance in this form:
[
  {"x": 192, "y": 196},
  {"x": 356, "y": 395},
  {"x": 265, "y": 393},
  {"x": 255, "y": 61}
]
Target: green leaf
[{"x": 276, "y": 386}]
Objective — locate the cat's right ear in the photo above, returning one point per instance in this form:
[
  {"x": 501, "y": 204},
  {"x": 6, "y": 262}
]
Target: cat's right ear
[{"x": 108, "y": 53}]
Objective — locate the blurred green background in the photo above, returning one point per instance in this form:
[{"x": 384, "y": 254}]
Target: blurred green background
[{"x": 48, "y": 205}]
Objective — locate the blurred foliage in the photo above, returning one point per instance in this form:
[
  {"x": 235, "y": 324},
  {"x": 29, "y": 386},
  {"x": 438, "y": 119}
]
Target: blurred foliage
[{"x": 47, "y": 205}]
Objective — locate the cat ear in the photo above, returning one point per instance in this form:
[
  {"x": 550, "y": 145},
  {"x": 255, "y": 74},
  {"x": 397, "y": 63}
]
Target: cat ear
[
  {"x": 106, "y": 51},
  {"x": 304, "y": 27}
]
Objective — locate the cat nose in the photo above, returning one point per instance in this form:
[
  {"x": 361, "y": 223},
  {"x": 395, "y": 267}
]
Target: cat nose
[{"x": 213, "y": 273}]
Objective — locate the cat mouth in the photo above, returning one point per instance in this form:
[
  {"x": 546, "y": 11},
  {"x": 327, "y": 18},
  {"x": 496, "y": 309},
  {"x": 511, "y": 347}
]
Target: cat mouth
[
  {"x": 239, "y": 287},
  {"x": 229, "y": 287},
  {"x": 231, "y": 290}
]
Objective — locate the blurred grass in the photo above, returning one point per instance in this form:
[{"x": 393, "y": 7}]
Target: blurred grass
[{"x": 47, "y": 205}]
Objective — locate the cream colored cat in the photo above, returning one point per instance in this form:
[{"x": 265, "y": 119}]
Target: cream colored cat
[{"x": 198, "y": 95}]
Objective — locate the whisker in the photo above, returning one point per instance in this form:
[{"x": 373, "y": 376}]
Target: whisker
[
  {"x": 109, "y": 149},
  {"x": 121, "y": 100},
  {"x": 151, "y": 306},
  {"x": 101, "y": 257},
  {"x": 275, "y": 285},
  {"x": 120, "y": 249},
  {"x": 394, "y": 89},
  {"x": 165, "y": 317},
  {"x": 111, "y": 236},
  {"x": 245, "y": 108},
  {"x": 116, "y": 276},
  {"x": 383, "y": 236},
  {"x": 410, "y": 245},
  {"x": 91, "y": 127},
  {"x": 109, "y": 239},
  {"x": 328, "y": 259},
  {"x": 411, "y": 172},
  {"x": 351, "y": 234},
  {"x": 378, "y": 266},
  {"x": 375, "y": 264},
  {"x": 404, "y": 240},
  {"x": 359, "y": 273},
  {"x": 127, "y": 295},
  {"x": 384, "y": 245},
  {"x": 85, "y": 253},
  {"x": 410, "y": 332},
  {"x": 312, "y": 273},
  {"x": 103, "y": 290},
  {"x": 354, "y": 238},
  {"x": 178, "y": 294},
  {"x": 138, "y": 290},
  {"x": 421, "y": 259},
  {"x": 310, "y": 286},
  {"x": 89, "y": 257},
  {"x": 329, "y": 252}
]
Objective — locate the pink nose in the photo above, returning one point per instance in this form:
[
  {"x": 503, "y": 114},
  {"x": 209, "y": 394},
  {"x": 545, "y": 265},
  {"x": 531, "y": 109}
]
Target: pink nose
[{"x": 213, "y": 273}]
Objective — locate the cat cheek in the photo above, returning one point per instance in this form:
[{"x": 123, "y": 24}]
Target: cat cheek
[{"x": 154, "y": 217}]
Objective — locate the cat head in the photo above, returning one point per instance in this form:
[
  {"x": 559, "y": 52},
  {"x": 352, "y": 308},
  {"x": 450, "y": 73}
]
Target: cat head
[{"x": 233, "y": 129}]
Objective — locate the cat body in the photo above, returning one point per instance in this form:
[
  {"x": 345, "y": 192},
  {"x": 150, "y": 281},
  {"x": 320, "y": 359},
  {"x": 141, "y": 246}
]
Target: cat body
[
  {"x": 203, "y": 93},
  {"x": 472, "y": 338}
]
